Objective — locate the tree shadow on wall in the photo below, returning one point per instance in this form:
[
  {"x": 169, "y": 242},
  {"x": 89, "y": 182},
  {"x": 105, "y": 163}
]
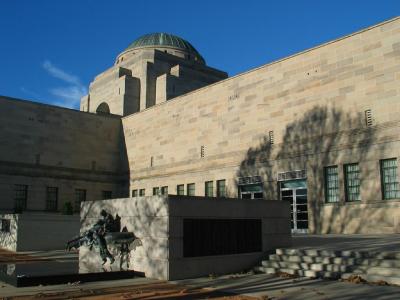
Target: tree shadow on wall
[{"x": 322, "y": 137}]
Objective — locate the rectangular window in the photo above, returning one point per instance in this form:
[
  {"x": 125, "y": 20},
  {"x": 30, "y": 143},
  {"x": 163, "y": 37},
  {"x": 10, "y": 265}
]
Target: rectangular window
[
  {"x": 389, "y": 179},
  {"x": 21, "y": 196},
  {"x": 331, "y": 184},
  {"x": 80, "y": 196},
  {"x": 221, "y": 190},
  {"x": 106, "y": 195},
  {"x": 156, "y": 191},
  {"x": 190, "y": 189},
  {"x": 208, "y": 189},
  {"x": 352, "y": 182},
  {"x": 134, "y": 193},
  {"x": 51, "y": 198},
  {"x": 180, "y": 189},
  {"x": 5, "y": 225},
  {"x": 142, "y": 192},
  {"x": 164, "y": 190}
]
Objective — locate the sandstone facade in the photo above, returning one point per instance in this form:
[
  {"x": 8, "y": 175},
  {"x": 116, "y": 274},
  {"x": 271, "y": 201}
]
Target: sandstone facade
[{"x": 165, "y": 119}]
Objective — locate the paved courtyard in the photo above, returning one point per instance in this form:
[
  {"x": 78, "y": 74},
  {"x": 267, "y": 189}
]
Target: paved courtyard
[{"x": 234, "y": 286}]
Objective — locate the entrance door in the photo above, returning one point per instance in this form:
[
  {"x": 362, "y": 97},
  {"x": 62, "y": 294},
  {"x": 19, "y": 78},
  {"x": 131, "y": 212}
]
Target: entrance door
[{"x": 295, "y": 191}]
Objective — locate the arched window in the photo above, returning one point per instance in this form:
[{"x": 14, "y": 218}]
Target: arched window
[{"x": 103, "y": 108}]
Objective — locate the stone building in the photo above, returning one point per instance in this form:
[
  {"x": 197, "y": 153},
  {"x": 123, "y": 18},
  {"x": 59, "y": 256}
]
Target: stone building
[{"x": 319, "y": 128}]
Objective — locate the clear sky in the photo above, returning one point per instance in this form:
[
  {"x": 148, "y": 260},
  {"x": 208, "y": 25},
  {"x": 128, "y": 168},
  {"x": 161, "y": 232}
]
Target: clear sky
[{"x": 51, "y": 50}]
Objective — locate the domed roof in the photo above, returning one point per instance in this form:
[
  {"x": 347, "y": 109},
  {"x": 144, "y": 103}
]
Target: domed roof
[{"x": 163, "y": 40}]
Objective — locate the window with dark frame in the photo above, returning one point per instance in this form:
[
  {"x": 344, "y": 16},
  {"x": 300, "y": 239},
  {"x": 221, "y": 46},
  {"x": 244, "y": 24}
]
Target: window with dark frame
[
  {"x": 156, "y": 191},
  {"x": 208, "y": 189},
  {"x": 80, "y": 196},
  {"x": 134, "y": 193},
  {"x": 180, "y": 189},
  {"x": 389, "y": 179},
  {"x": 164, "y": 190},
  {"x": 221, "y": 188},
  {"x": 20, "y": 197},
  {"x": 191, "y": 189},
  {"x": 331, "y": 184},
  {"x": 352, "y": 182},
  {"x": 51, "y": 198},
  {"x": 142, "y": 192}
]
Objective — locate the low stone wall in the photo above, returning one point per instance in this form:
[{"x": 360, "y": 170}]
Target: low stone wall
[
  {"x": 38, "y": 231},
  {"x": 159, "y": 222}
]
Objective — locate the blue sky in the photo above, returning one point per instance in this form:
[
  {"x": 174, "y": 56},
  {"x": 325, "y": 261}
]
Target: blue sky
[{"x": 51, "y": 50}]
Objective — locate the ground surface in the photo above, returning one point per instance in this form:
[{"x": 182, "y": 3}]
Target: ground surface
[{"x": 239, "y": 287}]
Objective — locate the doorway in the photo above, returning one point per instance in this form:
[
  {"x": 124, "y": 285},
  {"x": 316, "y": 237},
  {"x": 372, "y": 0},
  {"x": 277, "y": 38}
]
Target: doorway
[{"x": 295, "y": 191}]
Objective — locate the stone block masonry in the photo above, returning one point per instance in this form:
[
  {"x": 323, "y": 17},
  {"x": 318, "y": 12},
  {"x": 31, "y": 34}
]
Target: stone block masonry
[{"x": 162, "y": 224}]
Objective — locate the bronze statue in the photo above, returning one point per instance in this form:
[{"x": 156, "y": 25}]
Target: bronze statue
[{"x": 106, "y": 231}]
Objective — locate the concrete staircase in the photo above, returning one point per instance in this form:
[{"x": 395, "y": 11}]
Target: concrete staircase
[{"x": 330, "y": 264}]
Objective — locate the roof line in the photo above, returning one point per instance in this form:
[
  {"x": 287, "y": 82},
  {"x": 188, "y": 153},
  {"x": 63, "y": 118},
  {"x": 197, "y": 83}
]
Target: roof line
[{"x": 277, "y": 61}]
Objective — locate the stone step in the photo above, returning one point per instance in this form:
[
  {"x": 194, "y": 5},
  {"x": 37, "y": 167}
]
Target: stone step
[
  {"x": 306, "y": 266},
  {"x": 387, "y": 263},
  {"x": 316, "y": 259},
  {"x": 390, "y": 272},
  {"x": 339, "y": 253},
  {"x": 301, "y": 273}
]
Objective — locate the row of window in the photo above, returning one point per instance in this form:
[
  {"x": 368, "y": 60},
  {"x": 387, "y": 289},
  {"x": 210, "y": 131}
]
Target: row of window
[
  {"x": 21, "y": 197},
  {"x": 352, "y": 181},
  {"x": 190, "y": 189}
]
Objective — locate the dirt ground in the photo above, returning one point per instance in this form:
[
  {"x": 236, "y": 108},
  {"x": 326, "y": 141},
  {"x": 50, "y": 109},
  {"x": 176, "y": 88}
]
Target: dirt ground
[{"x": 162, "y": 290}]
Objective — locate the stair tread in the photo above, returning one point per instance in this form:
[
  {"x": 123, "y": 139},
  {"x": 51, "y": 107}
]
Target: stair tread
[{"x": 322, "y": 263}]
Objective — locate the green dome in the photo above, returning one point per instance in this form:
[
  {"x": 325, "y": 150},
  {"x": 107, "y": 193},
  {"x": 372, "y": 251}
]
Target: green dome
[{"x": 164, "y": 40}]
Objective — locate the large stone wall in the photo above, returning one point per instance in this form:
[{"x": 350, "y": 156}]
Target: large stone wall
[
  {"x": 158, "y": 222},
  {"x": 132, "y": 85},
  {"x": 314, "y": 102},
  {"x": 38, "y": 231},
  {"x": 44, "y": 145}
]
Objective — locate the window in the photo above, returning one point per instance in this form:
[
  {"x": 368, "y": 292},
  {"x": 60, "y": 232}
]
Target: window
[
  {"x": 156, "y": 191},
  {"x": 106, "y": 195},
  {"x": 20, "y": 198},
  {"x": 202, "y": 151},
  {"x": 80, "y": 196},
  {"x": 5, "y": 225},
  {"x": 191, "y": 189},
  {"x": 208, "y": 189},
  {"x": 164, "y": 190},
  {"x": 221, "y": 190},
  {"x": 390, "y": 183},
  {"x": 331, "y": 184},
  {"x": 180, "y": 189},
  {"x": 352, "y": 182},
  {"x": 134, "y": 193},
  {"x": 51, "y": 198},
  {"x": 142, "y": 192}
]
